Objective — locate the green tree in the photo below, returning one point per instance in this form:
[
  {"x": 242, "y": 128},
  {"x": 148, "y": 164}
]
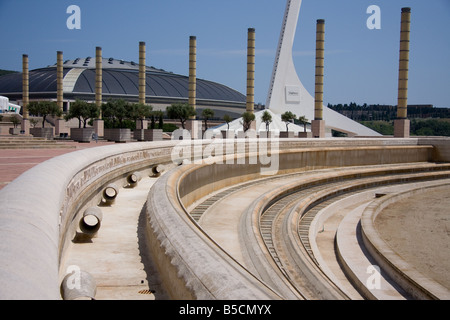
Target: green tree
[
  {"x": 139, "y": 111},
  {"x": 161, "y": 120},
  {"x": 287, "y": 117},
  {"x": 116, "y": 111},
  {"x": 157, "y": 114},
  {"x": 430, "y": 127},
  {"x": 44, "y": 109},
  {"x": 247, "y": 118},
  {"x": 83, "y": 111},
  {"x": 303, "y": 121},
  {"x": 180, "y": 111},
  {"x": 34, "y": 122},
  {"x": 227, "y": 118},
  {"x": 383, "y": 127},
  {"x": 267, "y": 119},
  {"x": 425, "y": 131},
  {"x": 207, "y": 114},
  {"x": 15, "y": 120}
]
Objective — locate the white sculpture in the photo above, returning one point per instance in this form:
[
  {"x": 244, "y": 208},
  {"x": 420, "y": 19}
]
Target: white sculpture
[{"x": 287, "y": 93}]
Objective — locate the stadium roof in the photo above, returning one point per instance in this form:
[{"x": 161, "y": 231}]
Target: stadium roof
[{"x": 120, "y": 80}]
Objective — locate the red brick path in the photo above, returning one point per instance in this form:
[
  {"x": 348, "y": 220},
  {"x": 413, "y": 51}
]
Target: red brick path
[{"x": 13, "y": 162}]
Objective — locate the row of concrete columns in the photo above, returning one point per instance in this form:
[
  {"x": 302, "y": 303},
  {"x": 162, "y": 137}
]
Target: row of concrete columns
[
  {"x": 98, "y": 123},
  {"x": 142, "y": 80},
  {"x": 401, "y": 124}
]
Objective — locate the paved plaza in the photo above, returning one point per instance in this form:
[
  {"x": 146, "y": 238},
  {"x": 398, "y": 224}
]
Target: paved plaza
[{"x": 14, "y": 162}]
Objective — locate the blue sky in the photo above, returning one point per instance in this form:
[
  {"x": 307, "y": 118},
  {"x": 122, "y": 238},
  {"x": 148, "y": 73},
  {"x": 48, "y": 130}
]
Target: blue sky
[{"x": 361, "y": 65}]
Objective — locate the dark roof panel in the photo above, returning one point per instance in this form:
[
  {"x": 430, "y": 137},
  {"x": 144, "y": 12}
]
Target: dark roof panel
[{"x": 11, "y": 83}]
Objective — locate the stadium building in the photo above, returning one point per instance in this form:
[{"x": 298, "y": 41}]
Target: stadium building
[{"x": 121, "y": 80}]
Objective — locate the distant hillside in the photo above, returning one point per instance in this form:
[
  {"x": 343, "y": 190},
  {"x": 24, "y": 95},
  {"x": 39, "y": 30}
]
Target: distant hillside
[
  {"x": 367, "y": 112},
  {"x": 3, "y": 72},
  {"x": 419, "y": 127}
]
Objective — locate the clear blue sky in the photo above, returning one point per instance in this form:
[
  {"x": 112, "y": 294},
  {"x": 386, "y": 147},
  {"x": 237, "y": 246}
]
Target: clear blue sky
[{"x": 361, "y": 65}]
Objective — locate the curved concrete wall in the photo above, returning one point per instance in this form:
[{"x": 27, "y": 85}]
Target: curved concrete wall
[
  {"x": 191, "y": 265},
  {"x": 199, "y": 274},
  {"x": 37, "y": 210},
  {"x": 412, "y": 281},
  {"x": 205, "y": 179}
]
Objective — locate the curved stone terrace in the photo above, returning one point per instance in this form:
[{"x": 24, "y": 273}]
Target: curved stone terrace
[{"x": 224, "y": 230}]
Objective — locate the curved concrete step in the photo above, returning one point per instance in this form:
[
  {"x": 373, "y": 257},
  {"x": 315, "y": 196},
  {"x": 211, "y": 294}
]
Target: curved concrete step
[
  {"x": 358, "y": 264},
  {"x": 418, "y": 284},
  {"x": 211, "y": 212},
  {"x": 319, "y": 192}
]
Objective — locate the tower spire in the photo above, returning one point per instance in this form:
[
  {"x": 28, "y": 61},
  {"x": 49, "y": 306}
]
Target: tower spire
[{"x": 286, "y": 91}]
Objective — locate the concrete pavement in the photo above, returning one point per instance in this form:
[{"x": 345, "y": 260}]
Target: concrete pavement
[{"x": 14, "y": 162}]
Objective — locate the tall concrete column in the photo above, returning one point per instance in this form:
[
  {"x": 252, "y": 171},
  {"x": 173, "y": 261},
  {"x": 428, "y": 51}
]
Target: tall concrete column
[
  {"x": 318, "y": 124},
  {"x": 98, "y": 78},
  {"x": 193, "y": 125},
  {"x": 98, "y": 123},
  {"x": 402, "y": 124},
  {"x": 141, "y": 124},
  {"x": 60, "y": 123},
  {"x": 25, "y": 86},
  {"x": 251, "y": 46},
  {"x": 142, "y": 75},
  {"x": 59, "y": 80},
  {"x": 193, "y": 72},
  {"x": 25, "y": 95},
  {"x": 251, "y": 70}
]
